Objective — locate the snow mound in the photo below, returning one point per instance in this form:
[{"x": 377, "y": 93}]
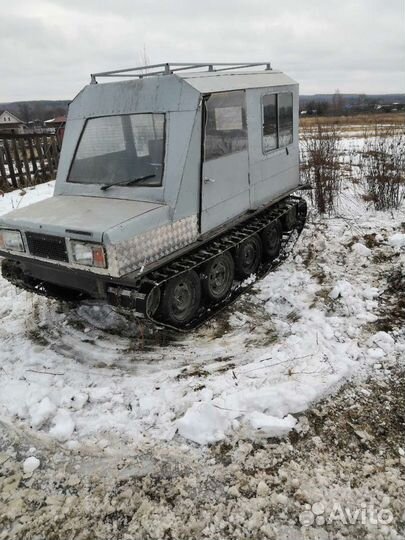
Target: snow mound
[
  {"x": 41, "y": 412},
  {"x": 204, "y": 423},
  {"x": 397, "y": 240},
  {"x": 30, "y": 465},
  {"x": 342, "y": 289},
  {"x": 384, "y": 341},
  {"x": 63, "y": 426},
  {"x": 271, "y": 426},
  {"x": 361, "y": 249}
]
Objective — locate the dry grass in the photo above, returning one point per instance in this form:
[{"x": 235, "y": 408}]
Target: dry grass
[
  {"x": 382, "y": 165},
  {"x": 356, "y": 121},
  {"x": 361, "y": 125},
  {"x": 321, "y": 167}
]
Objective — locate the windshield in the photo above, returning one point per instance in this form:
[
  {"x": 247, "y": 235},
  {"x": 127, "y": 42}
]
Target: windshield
[{"x": 114, "y": 149}]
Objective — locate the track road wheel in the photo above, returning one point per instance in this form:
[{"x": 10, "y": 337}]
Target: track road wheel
[
  {"x": 271, "y": 237},
  {"x": 152, "y": 301},
  {"x": 181, "y": 298},
  {"x": 289, "y": 219},
  {"x": 218, "y": 277},
  {"x": 248, "y": 256}
]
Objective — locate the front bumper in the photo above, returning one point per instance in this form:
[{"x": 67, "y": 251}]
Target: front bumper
[
  {"x": 63, "y": 283},
  {"x": 47, "y": 278}
]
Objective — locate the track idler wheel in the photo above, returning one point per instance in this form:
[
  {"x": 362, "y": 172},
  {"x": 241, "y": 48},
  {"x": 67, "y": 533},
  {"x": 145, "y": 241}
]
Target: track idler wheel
[
  {"x": 289, "y": 219},
  {"x": 271, "y": 238},
  {"x": 302, "y": 214},
  {"x": 248, "y": 256},
  {"x": 218, "y": 275},
  {"x": 181, "y": 298}
]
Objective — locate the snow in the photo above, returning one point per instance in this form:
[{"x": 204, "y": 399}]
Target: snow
[
  {"x": 63, "y": 426},
  {"x": 397, "y": 240},
  {"x": 30, "y": 465},
  {"x": 361, "y": 250},
  {"x": 271, "y": 426},
  {"x": 342, "y": 289},
  {"x": 41, "y": 412},
  {"x": 21, "y": 198},
  {"x": 80, "y": 375},
  {"x": 203, "y": 423},
  {"x": 384, "y": 341},
  {"x": 262, "y": 489}
]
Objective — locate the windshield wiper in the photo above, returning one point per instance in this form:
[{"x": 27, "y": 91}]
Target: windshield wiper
[{"x": 127, "y": 182}]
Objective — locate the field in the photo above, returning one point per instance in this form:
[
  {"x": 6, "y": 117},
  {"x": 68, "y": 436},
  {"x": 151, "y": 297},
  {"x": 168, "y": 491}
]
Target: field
[
  {"x": 392, "y": 119},
  {"x": 283, "y": 418}
]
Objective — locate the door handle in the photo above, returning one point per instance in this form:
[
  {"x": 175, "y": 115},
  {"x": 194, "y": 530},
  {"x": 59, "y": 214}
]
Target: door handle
[{"x": 209, "y": 180}]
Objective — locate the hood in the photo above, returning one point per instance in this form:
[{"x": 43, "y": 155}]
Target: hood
[{"x": 76, "y": 217}]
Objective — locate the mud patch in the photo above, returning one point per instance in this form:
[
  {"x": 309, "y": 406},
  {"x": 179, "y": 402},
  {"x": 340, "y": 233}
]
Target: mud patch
[
  {"x": 392, "y": 302},
  {"x": 346, "y": 450}
]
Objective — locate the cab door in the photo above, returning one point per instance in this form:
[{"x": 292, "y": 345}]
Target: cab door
[{"x": 225, "y": 159}]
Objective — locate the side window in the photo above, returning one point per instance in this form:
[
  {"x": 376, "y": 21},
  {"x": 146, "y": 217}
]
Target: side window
[
  {"x": 285, "y": 119},
  {"x": 270, "y": 127},
  {"x": 225, "y": 128},
  {"x": 277, "y": 121}
]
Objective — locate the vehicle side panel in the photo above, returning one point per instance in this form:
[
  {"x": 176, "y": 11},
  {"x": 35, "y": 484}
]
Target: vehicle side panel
[{"x": 277, "y": 172}]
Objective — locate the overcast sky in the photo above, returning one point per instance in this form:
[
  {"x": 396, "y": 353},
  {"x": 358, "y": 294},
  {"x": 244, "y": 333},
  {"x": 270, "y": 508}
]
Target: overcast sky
[{"x": 49, "y": 48}]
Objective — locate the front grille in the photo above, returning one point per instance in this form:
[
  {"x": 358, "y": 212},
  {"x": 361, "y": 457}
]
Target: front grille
[{"x": 47, "y": 247}]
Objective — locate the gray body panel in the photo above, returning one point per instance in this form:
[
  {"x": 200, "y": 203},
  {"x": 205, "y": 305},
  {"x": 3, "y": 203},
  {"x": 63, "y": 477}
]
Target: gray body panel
[
  {"x": 275, "y": 172},
  {"x": 225, "y": 189},
  {"x": 63, "y": 215},
  {"x": 141, "y": 225}
]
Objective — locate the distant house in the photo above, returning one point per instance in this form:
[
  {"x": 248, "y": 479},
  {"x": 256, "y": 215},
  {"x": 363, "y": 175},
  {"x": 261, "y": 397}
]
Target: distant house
[
  {"x": 58, "y": 125},
  {"x": 10, "y": 123},
  {"x": 390, "y": 107},
  {"x": 36, "y": 126}
]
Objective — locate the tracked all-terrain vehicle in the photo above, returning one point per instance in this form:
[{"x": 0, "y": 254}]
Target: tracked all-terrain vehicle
[{"x": 174, "y": 186}]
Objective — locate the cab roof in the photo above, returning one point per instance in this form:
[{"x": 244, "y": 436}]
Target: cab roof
[
  {"x": 208, "y": 77},
  {"x": 168, "y": 87},
  {"x": 238, "y": 80}
]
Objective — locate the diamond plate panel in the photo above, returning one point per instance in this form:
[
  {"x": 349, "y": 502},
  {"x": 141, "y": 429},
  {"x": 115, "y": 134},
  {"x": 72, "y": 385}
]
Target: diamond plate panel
[{"x": 151, "y": 246}]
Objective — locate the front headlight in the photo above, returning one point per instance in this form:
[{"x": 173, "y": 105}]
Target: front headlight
[
  {"x": 11, "y": 240},
  {"x": 88, "y": 254}
]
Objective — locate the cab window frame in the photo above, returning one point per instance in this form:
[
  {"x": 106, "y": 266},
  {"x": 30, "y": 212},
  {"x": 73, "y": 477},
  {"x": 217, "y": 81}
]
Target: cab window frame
[
  {"x": 262, "y": 105},
  {"x": 140, "y": 184},
  {"x": 210, "y": 130}
]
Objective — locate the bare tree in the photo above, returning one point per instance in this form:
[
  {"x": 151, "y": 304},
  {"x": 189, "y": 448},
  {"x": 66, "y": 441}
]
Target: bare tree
[
  {"x": 337, "y": 103},
  {"x": 320, "y": 165},
  {"x": 382, "y": 164}
]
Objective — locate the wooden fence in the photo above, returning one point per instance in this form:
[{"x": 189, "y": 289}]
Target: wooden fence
[{"x": 26, "y": 160}]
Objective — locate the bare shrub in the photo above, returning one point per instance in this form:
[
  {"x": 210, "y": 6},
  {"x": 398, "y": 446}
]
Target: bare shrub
[
  {"x": 320, "y": 165},
  {"x": 382, "y": 164}
]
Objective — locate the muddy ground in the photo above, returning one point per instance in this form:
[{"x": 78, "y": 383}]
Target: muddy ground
[{"x": 347, "y": 455}]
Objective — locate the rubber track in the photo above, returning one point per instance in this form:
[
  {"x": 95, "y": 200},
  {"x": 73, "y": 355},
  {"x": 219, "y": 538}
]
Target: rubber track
[{"x": 228, "y": 241}]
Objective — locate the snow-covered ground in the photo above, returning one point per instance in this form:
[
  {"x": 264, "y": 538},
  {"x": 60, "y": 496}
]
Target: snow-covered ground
[
  {"x": 84, "y": 375},
  {"x": 105, "y": 425}
]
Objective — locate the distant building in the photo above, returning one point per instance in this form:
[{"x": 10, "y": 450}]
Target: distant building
[
  {"x": 390, "y": 107},
  {"x": 36, "y": 126},
  {"x": 10, "y": 123},
  {"x": 58, "y": 125}
]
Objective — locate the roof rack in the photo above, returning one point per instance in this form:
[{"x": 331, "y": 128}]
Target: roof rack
[{"x": 169, "y": 68}]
